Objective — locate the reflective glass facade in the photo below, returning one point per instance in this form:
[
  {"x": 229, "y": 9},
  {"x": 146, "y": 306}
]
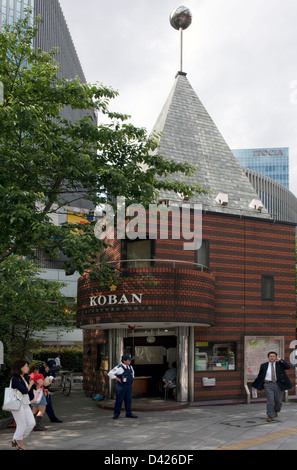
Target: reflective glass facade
[
  {"x": 13, "y": 10},
  {"x": 52, "y": 32},
  {"x": 272, "y": 162}
]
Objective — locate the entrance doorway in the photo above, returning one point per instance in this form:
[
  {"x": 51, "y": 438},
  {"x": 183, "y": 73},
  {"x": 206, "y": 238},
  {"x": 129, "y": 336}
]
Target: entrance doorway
[{"x": 153, "y": 354}]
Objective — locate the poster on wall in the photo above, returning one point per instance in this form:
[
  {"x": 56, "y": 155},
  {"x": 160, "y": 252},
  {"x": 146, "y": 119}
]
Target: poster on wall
[
  {"x": 149, "y": 355},
  {"x": 256, "y": 349}
]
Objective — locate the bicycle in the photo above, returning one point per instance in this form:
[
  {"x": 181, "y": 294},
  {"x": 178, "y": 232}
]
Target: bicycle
[{"x": 63, "y": 381}]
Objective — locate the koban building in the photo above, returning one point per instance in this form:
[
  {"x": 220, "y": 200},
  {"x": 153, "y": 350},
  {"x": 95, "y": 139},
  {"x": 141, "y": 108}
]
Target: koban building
[{"x": 205, "y": 308}]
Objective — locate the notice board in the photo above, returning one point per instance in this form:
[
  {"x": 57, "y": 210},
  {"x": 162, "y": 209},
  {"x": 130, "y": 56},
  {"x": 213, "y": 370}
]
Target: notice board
[
  {"x": 148, "y": 355},
  {"x": 256, "y": 349}
]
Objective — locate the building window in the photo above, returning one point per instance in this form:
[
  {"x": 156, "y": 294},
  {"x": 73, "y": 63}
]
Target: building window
[
  {"x": 267, "y": 288},
  {"x": 202, "y": 254},
  {"x": 138, "y": 253},
  {"x": 102, "y": 356},
  {"x": 210, "y": 355}
]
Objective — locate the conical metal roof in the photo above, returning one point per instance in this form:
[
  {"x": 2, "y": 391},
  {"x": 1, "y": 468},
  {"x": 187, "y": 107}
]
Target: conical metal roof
[{"x": 188, "y": 134}]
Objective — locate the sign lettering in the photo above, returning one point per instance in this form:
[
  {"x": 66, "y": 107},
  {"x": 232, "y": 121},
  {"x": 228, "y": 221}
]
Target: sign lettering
[
  {"x": 264, "y": 152},
  {"x": 113, "y": 299}
]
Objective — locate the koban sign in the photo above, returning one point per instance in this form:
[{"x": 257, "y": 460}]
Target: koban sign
[{"x": 113, "y": 299}]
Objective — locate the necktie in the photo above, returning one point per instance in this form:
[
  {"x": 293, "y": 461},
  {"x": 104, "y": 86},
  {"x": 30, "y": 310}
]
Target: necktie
[{"x": 273, "y": 378}]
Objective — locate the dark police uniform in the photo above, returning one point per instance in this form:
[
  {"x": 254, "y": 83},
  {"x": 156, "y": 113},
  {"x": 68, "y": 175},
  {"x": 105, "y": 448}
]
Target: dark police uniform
[{"x": 123, "y": 389}]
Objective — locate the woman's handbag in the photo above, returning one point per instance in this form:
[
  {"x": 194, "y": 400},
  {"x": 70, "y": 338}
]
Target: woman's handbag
[
  {"x": 12, "y": 399},
  {"x": 37, "y": 396}
]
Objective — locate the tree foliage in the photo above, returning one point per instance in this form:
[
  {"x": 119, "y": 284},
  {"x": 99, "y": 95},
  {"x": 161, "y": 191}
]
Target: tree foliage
[{"x": 28, "y": 303}]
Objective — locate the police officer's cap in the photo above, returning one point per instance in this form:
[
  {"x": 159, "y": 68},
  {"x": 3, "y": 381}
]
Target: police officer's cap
[{"x": 126, "y": 357}]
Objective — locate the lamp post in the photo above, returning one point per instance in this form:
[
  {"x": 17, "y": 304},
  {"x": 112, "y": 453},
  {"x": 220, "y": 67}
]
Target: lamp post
[{"x": 180, "y": 19}]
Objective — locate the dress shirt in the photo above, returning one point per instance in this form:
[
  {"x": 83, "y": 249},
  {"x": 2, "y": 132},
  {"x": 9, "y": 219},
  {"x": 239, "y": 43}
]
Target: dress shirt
[
  {"x": 268, "y": 373},
  {"x": 170, "y": 376},
  {"x": 119, "y": 370}
]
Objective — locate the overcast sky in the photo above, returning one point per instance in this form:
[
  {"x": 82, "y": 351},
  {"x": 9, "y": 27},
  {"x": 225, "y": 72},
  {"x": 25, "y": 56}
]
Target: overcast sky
[{"x": 240, "y": 57}]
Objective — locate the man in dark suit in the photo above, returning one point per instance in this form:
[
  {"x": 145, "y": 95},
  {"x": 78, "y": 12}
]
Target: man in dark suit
[{"x": 274, "y": 380}]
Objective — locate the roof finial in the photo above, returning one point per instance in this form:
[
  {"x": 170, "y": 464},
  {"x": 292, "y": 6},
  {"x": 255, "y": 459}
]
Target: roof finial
[{"x": 180, "y": 19}]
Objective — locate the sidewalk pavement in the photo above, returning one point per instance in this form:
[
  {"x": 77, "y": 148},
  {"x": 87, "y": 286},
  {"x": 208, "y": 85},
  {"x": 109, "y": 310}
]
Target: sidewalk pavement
[{"x": 87, "y": 426}]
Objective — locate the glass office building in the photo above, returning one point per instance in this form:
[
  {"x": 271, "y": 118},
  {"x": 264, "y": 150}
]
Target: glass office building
[
  {"x": 272, "y": 162},
  {"x": 13, "y": 10},
  {"x": 52, "y": 32}
]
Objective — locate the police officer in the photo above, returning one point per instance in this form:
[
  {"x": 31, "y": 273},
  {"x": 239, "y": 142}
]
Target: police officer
[{"x": 123, "y": 374}]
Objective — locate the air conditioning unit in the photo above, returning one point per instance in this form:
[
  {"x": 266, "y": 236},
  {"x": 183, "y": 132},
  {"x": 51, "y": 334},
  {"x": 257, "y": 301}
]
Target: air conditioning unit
[
  {"x": 164, "y": 202},
  {"x": 222, "y": 199},
  {"x": 257, "y": 205}
]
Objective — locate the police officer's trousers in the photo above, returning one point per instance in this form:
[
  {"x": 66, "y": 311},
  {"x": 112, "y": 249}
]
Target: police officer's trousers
[{"x": 123, "y": 393}]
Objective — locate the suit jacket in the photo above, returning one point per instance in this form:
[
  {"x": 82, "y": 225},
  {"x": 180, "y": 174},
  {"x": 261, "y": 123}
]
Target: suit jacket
[{"x": 282, "y": 379}]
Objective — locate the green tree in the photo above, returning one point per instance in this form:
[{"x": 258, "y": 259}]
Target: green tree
[
  {"x": 43, "y": 156},
  {"x": 28, "y": 303}
]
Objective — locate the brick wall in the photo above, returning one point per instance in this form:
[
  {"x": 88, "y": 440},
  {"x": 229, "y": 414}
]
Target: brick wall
[
  {"x": 172, "y": 294},
  {"x": 94, "y": 379},
  {"x": 227, "y": 298},
  {"x": 241, "y": 251}
]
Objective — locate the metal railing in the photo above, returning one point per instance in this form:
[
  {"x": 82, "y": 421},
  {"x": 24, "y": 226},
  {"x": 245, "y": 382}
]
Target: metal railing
[{"x": 152, "y": 263}]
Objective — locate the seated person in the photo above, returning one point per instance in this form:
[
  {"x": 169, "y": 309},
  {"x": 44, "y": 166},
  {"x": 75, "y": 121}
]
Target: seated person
[{"x": 169, "y": 377}]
